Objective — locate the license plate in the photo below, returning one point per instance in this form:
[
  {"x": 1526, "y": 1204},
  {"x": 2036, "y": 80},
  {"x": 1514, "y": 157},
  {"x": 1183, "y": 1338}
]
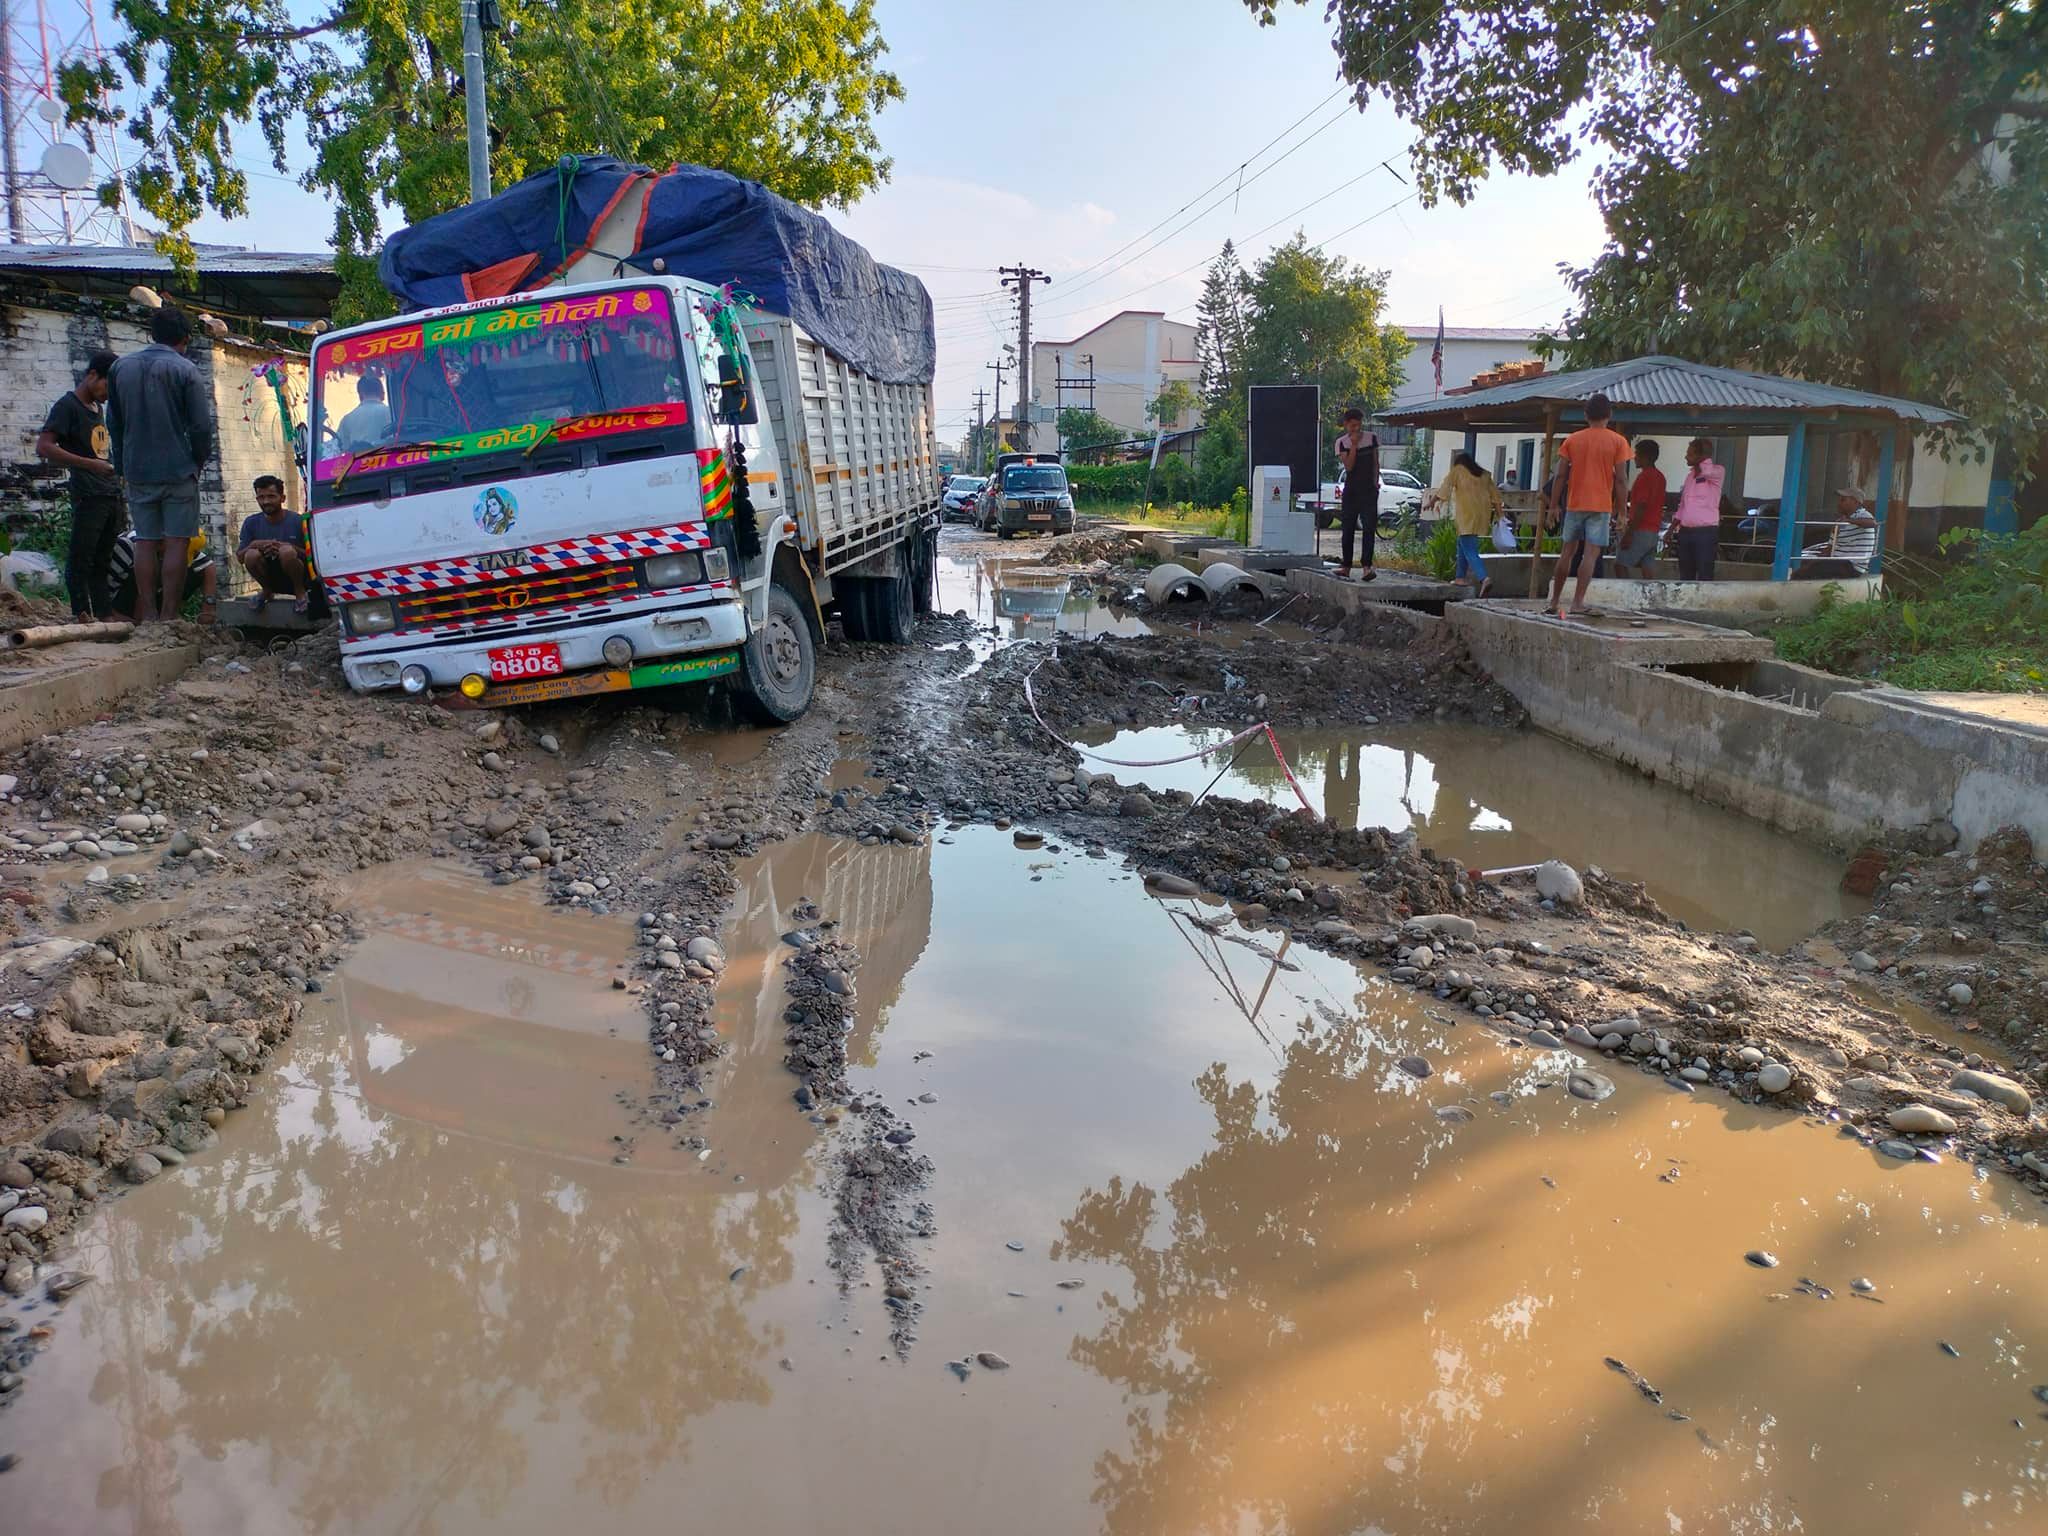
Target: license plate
[
  {"x": 1038, "y": 517},
  {"x": 516, "y": 663}
]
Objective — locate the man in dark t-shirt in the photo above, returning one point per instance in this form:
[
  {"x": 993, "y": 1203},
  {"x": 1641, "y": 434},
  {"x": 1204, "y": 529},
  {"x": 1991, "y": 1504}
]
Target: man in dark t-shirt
[
  {"x": 273, "y": 548},
  {"x": 75, "y": 435}
]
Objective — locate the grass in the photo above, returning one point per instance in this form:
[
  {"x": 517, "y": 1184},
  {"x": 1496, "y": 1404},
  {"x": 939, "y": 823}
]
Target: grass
[
  {"x": 1978, "y": 625},
  {"x": 1219, "y": 522}
]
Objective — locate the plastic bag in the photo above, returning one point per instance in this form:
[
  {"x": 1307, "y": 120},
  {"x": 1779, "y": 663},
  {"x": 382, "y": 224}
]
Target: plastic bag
[{"x": 1504, "y": 535}]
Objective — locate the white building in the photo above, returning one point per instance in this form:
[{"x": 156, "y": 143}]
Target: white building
[
  {"x": 1469, "y": 350},
  {"x": 1129, "y": 356}
]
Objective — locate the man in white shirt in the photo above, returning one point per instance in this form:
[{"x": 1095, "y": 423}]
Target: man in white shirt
[
  {"x": 370, "y": 422},
  {"x": 1849, "y": 549}
]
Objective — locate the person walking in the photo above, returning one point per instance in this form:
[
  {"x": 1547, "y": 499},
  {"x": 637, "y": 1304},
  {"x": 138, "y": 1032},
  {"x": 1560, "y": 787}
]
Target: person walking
[
  {"x": 1595, "y": 499},
  {"x": 1698, "y": 519},
  {"x": 162, "y": 433},
  {"x": 1475, "y": 502},
  {"x": 1359, "y": 451},
  {"x": 75, "y": 435}
]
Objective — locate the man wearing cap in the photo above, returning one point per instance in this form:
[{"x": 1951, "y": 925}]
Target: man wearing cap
[{"x": 1849, "y": 549}]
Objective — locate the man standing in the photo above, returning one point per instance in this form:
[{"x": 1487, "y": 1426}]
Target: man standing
[
  {"x": 1635, "y": 552},
  {"x": 272, "y": 550},
  {"x": 75, "y": 435},
  {"x": 1595, "y": 499},
  {"x": 1699, "y": 512},
  {"x": 1359, "y": 451},
  {"x": 162, "y": 430}
]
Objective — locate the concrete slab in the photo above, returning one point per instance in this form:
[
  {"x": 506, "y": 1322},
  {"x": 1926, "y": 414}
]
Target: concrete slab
[
  {"x": 1776, "y": 599},
  {"x": 1391, "y": 587},
  {"x": 1175, "y": 546},
  {"x": 70, "y": 684},
  {"x": 275, "y": 617},
  {"x": 1271, "y": 560}
]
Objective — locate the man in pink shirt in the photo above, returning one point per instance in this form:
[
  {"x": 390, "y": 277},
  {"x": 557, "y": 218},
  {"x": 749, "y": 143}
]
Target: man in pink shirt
[{"x": 1698, "y": 518}]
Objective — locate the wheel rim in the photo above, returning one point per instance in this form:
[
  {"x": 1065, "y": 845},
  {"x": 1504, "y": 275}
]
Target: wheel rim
[{"x": 782, "y": 655}]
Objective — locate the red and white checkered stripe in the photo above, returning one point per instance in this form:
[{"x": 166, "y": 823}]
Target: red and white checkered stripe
[
  {"x": 480, "y": 624},
  {"x": 562, "y": 554}
]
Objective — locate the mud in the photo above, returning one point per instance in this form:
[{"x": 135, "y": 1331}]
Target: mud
[{"x": 1208, "y": 1259}]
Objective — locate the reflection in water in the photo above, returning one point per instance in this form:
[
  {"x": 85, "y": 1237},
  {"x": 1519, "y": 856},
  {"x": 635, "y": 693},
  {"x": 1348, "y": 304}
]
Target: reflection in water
[
  {"x": 1496, "y": 799},
  {"x": 408, "y": 1297},
  {"x": 1023, "y": 600}
]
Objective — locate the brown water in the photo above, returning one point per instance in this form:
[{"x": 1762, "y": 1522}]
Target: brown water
[
  {"x": 1494, "y": 799},
  {"x": 1022, "y": 600},
  {"x": 411, "y": 1292}
]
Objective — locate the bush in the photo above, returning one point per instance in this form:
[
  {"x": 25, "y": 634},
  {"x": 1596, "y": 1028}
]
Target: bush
[{"x": 1982, "y": 625}]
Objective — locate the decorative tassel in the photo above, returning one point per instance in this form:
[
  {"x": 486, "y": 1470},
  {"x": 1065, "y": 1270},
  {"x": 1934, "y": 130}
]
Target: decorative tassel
[{"x": 746, "y": 532}]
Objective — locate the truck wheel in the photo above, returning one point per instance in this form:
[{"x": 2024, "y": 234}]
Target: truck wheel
[
  {"x": 779, "y": 664},
  {"x": 925, "y": 572},
  {"x": 856, "y": 610},
  {"x": 892, "y": 606},
  {"x": 1006, "y": 533}
]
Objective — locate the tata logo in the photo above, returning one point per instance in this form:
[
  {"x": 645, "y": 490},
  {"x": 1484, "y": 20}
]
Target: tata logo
[
  {"x": 498, "y": 559},
  {"x": 511, "y": 598}
]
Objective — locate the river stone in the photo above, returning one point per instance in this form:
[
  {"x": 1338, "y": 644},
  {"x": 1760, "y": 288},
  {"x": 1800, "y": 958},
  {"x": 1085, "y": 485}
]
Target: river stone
[
  {"x": 1612, "y": 1042},
  {"x": 1453, "y": 1114},
  {"x": 1414, "y": 1066},
  {"x": 1583, "y": 1083},
  {"x": 1544, "y": 1039},
  {"x": 1559, "y": 882},
  {"x": 1961, "y": 994},
  {"x": 1762, "y": 1258},
  {"x": 141, "y": 1168},
  {"x": 1774, "y": 1077},
  {"x": 1624, "y": 1026},
  {"x": 132, "y": 822},
  {"x": 705, "y": 951},
  {"x": 1447, "y": 924},
  {"x": 1864, "y": 960},
  {"x": 1904, "y": 1151},
  {"x": 26, "y": 1218},
  {"x": 1136, "y": 806},
  {"x": 2000, "y": 1090},
  {"x": 1422, "y": 957},
  {"x": 1924, "y": 1119},
  {"x": 15, "y": 1176},
  {"x": 18, "y": 1278},
  {"x": 1161, "y": 884},
  {"x": 499, "y": 823},
  {"x": 1578, "y": 1034},
  {"x": 1694, "y": 1074}
]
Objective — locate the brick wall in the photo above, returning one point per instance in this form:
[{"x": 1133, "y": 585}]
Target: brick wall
[{"x": 43, "y": 350}]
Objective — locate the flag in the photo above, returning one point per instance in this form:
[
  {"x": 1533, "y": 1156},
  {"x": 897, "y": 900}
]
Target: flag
[
  {"x": 1436, "y": 353},
  {"x": 714, "y": 483}
]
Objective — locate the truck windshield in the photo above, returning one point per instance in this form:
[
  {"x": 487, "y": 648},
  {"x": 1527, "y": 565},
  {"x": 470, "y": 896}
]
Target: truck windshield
[
  {"x": 495, "y": 380},
  {"x": 1035, "y": 478}
]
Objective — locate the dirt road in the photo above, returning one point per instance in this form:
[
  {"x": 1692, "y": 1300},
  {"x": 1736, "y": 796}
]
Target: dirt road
[{"x": 183, "y": 880}]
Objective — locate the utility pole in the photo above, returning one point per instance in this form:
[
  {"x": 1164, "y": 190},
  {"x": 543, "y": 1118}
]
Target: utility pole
[
  {"x": 473, "y": 98},
  {"x": 10, "y": 165},
  {"x": 1023, "y": 278},
  {"x": 997, "y": 444},
  {"x": 980, "y": 424}
]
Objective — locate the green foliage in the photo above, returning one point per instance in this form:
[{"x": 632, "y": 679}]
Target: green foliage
[
  {"x": 1083, "y": 428},
  {"x": 1979, "y": 625},
  {"x": 1853, "y": 191},
  {"x": 1219, "y": 455},
  {"x": 1175, "y": 399},
  {"x": 1440, "y": 550},
  {"x": 784, "y": 91},
  {"x": 1419, "y": 459},
  {"x": 1109, "y": 484}
]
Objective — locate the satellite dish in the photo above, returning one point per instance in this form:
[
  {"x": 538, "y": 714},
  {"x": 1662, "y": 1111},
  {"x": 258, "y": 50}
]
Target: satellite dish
[
  {"x": 50, "y": 110},
  {"x": 68, "y": 167}
]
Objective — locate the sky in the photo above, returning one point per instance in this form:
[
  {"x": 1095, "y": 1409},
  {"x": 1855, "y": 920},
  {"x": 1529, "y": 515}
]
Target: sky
[{"x": 1058, "y": 135}]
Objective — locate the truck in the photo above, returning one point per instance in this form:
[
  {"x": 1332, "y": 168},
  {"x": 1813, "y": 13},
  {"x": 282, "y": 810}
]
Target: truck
[{"x": 623, "y": 475}]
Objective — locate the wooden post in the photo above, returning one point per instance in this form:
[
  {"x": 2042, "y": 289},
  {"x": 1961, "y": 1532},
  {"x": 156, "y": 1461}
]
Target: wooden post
[
  {"x": 1885, "y": 453},
  {"x": 1791, "y": 503},
  {"x": 1538, "y": 588}
]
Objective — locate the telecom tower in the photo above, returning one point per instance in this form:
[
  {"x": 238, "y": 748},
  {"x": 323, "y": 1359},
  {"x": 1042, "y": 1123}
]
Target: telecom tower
[{"x": 50, "y": 175}]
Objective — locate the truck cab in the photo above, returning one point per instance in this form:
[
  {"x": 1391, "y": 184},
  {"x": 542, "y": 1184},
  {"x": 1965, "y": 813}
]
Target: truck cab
[{"x": 536, "y": 496}]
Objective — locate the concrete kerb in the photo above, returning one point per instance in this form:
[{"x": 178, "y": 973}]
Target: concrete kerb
[
  {"x": 85, "y": 681},
  {"x": 1390, "y": 588}
]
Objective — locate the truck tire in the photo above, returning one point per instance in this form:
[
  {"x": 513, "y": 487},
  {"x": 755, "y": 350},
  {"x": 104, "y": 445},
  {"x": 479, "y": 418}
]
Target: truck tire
[
  {"x": 892, "y": 608},
  {"x": 778, "y": 664},
  {"x": 856, "y": 610},
  {"x": 924, "y": 567}
]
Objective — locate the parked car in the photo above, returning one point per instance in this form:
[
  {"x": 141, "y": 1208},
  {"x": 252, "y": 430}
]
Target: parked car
[
  {"x": 1028, "y": 497},
  {"x": 962, "y": 492},
  {"x": 1400, "y": 500}
]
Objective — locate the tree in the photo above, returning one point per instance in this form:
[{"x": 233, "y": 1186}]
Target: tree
[
  {"x": 1083, "y": 428},
  {"x": 1220, "y": 325},
  {"x": 1853, "y": 191},
  {"x": 1175, "y": 399},
  {"x": 782, "y": 91}
]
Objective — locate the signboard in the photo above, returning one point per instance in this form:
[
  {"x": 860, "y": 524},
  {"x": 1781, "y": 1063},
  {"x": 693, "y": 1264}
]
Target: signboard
[{"x": 1284, "y": 426}]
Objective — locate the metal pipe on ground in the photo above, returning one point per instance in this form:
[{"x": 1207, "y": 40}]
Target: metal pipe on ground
[{"x": 39, "y": 635}]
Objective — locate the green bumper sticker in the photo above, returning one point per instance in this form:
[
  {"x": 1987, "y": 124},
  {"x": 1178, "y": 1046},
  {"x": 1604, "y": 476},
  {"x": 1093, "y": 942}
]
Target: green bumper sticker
[{"x": 686, "y": 669}]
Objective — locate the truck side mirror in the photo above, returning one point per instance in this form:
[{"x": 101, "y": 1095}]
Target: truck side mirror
[{"x": 732, "y": 390}]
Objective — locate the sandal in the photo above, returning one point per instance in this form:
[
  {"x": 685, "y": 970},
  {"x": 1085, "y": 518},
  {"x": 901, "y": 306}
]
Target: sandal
[
  {"x": 1368, "y": 574},
  {"x": 300, "y": 605},
  {"x": 1485, "y": 587}
]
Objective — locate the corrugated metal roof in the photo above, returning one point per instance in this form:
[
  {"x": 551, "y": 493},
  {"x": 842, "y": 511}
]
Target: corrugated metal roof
[
  {"x": 1671, "y": 383},
  {"x": 293, "y": 285},
  {"x": 1471, "y": 332}
]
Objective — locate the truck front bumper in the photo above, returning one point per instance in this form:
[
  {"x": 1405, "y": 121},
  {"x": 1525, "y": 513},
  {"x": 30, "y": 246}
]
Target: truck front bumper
[{"x": 677, "y": 632}]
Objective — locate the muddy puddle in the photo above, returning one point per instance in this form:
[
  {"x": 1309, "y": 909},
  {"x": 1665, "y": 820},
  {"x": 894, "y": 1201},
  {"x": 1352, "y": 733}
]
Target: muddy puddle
[
  {"x": 1495, "y": 799},
  {"x": 1018, "y": 599},
  {"x": 1248, "y": 1273}
]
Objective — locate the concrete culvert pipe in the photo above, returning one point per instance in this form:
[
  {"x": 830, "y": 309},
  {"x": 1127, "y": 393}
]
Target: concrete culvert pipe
[
  {"x": 1169, "y": 583},
  {"x": 1223, "y": 578},
  {"x": 38, "y": 635}
]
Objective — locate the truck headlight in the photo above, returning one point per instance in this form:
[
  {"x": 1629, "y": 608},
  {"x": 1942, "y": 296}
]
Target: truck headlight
[
  {"x": 673, "y": 571},
  {"x": 716, "y": 566},
  {"x": 372, "y": 618}
]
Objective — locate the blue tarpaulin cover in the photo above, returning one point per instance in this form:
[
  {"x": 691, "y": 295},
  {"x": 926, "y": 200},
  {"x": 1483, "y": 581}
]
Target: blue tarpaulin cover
[{"x": 700, "y": 223}]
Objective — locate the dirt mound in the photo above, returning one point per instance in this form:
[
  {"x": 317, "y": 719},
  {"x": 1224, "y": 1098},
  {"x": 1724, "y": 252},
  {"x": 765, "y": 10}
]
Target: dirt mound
[{"x": 1092, "y": 547}]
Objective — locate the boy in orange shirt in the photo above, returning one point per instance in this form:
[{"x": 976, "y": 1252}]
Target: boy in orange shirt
[{"x": 1595, "y": 495}]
